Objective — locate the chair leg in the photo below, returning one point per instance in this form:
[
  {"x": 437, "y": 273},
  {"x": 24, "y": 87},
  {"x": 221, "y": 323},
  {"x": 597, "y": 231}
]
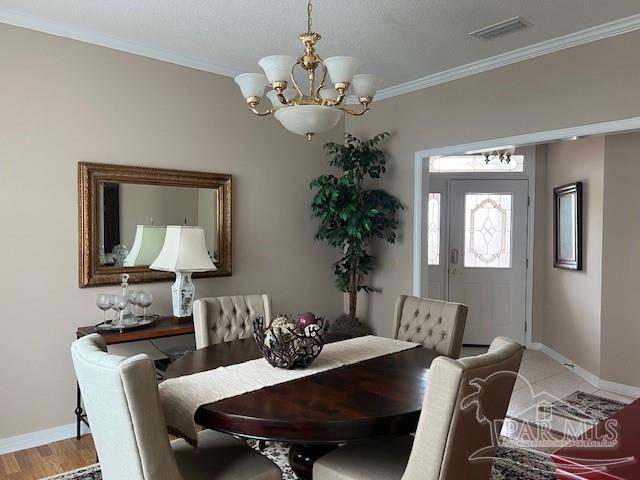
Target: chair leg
[
  {"x": 78, "y": 411},
  {"x": 262, "y": 444}
]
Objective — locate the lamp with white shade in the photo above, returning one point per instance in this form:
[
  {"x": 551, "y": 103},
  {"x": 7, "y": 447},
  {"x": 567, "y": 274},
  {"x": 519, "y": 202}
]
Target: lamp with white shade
[{"x": 184, "y": 252}]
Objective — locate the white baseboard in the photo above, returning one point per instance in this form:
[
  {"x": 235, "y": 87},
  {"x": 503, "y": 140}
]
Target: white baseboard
[
  {"x": 585, "y": 374},
  {"x": 35, "y": 439}
]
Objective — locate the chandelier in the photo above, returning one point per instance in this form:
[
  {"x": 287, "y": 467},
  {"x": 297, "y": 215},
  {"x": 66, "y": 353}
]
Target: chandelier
[
  {"x": 319, "y": 107},
  {"x": 503, "y": 153},
  {"x": 503, "y": 156}
]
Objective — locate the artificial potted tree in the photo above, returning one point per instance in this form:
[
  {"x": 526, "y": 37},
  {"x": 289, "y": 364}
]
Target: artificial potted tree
[{"x": 351, "y": 214}]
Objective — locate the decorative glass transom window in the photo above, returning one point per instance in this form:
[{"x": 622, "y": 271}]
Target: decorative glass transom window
[
  {"x": 487, "y": 230},
  {"x": 433, "y": 229},
  {"x": 475, "y": 164}
]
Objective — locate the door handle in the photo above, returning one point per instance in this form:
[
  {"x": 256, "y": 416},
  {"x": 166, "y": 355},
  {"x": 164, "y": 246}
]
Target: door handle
[{"x": 454, "y": 256}]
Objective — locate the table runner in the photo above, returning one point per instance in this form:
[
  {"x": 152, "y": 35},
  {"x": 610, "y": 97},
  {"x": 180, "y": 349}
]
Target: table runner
[{"x": 181, "y": 397}]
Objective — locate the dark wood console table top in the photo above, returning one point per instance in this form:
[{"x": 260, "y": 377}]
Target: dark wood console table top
[{"x": 161, "y": 328}]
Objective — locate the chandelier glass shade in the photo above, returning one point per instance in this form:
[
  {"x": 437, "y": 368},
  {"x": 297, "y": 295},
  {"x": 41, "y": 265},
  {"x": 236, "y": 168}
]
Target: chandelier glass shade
[{"x": 318, "y": 106}]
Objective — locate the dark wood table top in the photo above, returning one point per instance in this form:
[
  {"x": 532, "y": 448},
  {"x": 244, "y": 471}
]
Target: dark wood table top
[
  {"x": 163, "y": 327},
  {"x": 576, "y": 462},
  {"x": 374, "y": 398}
]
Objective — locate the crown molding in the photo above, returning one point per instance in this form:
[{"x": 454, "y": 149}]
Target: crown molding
[
  {"x": 599, "y": 32},
  {"x": 19, "y": 19}
]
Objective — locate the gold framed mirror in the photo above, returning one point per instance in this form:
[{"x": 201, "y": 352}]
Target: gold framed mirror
[{"x": 124, "y": 211}]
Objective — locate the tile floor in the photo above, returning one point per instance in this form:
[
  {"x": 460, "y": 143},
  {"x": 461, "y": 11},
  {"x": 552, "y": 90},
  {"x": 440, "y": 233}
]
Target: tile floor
[{"x": 544, "y": 374}]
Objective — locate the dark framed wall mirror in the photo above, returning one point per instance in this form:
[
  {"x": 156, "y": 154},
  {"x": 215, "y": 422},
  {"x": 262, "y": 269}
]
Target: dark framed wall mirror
[
  {"x": 124, "y": 212},
  {"x": 567, "y": 213}
]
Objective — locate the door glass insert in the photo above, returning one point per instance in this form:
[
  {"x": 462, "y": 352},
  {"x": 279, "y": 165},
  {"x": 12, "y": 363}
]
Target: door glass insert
[
  {"x": 433, "y": 230},
  {"x": 487, "y": 230}
]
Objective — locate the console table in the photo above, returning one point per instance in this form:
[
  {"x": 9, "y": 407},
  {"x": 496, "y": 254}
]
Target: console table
[{"x": 161, "y": 328}]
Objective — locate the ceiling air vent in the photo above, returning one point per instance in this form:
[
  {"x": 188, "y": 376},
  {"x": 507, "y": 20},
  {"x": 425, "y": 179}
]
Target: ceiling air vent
[{"x": 501, "y": 28}]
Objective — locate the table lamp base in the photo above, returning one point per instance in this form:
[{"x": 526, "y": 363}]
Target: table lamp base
[{"x": 182, "y": 292}]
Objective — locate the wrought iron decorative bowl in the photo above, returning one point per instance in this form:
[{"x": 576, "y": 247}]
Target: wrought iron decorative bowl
[{"x": 285, "y": 344}]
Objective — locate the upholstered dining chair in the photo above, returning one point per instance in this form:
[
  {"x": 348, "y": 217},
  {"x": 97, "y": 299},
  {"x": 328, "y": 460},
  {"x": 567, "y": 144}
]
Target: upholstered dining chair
[
  {"x": 435, "y": 324},
  {"x": 129, "y": 432},
  {"x": 463, "y": 399},
  {"x": 222, "y": 319}
]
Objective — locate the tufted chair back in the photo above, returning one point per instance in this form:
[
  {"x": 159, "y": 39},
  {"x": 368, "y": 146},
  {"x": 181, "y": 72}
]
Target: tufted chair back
[
  {"x": 123, "y": 405},
  {"x": 435, "y": 324},
  {"x": 222, "y": 319}
]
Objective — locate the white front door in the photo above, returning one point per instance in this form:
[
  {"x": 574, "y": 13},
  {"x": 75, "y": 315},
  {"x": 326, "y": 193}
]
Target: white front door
[{"x": 488, "y": 256}]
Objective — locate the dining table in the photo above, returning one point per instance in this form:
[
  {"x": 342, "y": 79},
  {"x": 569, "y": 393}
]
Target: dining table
[{"x": 374, "y": 398}]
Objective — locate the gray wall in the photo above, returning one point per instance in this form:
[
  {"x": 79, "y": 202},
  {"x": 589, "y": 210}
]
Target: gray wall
[
  {"x": 64, "y": 102},
  {"x": 571, "y": 310},
  {"x": 620, "y": 351}
]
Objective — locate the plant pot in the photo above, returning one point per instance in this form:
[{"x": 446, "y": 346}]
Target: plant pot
[{"x": 343, "y": 326}]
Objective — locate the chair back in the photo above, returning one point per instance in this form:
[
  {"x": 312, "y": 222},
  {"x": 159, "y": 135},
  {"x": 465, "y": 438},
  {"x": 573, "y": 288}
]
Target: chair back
[
  {"x": 222, "y": 319},
  {"x": 463, "y": 399},
  {"x": 123, "y": 408},
  {"x": 435, "y": 324}
]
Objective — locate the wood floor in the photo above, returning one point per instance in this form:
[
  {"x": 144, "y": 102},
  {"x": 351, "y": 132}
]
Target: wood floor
[{"x": 47, "y": 460}]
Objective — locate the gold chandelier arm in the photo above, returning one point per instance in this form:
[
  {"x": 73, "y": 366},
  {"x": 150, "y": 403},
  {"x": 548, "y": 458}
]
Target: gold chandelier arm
[
  {"x": 294, "y": 83},
  {"x": 253, "y": 102},
  {"x": 365, "y": 102},
  {"x": 324, "y": 77},
  {"x": 353, "y": 112},
  {"x": 341, "y": 88},
  {"x": 283, "y": 100},
  {"x": 262, "y": 114}
]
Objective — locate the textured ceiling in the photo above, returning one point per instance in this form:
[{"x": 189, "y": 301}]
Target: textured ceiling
[{"x": 400, "y": 40}]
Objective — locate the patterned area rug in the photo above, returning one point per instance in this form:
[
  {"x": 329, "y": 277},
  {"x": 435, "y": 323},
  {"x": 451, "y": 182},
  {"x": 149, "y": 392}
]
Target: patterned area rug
[
  {"x": 91, "y": 472},
  {"x": 587, "y": 407},
  {"x": 513, "y": 461}
]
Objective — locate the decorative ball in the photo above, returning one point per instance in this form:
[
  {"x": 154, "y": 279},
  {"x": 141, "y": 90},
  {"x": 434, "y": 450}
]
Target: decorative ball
[
  {"x": 269, "y": 339},
  {"x": 305, "y": 319},
  {"x": 284, "y": 332},
  {"x": 311, "y": 330},
  {"x": 279, "y": 321}
]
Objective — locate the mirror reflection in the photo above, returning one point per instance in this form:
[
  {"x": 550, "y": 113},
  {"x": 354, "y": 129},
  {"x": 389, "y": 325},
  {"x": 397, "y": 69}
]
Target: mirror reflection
[{"x": 133, "y": 220}]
